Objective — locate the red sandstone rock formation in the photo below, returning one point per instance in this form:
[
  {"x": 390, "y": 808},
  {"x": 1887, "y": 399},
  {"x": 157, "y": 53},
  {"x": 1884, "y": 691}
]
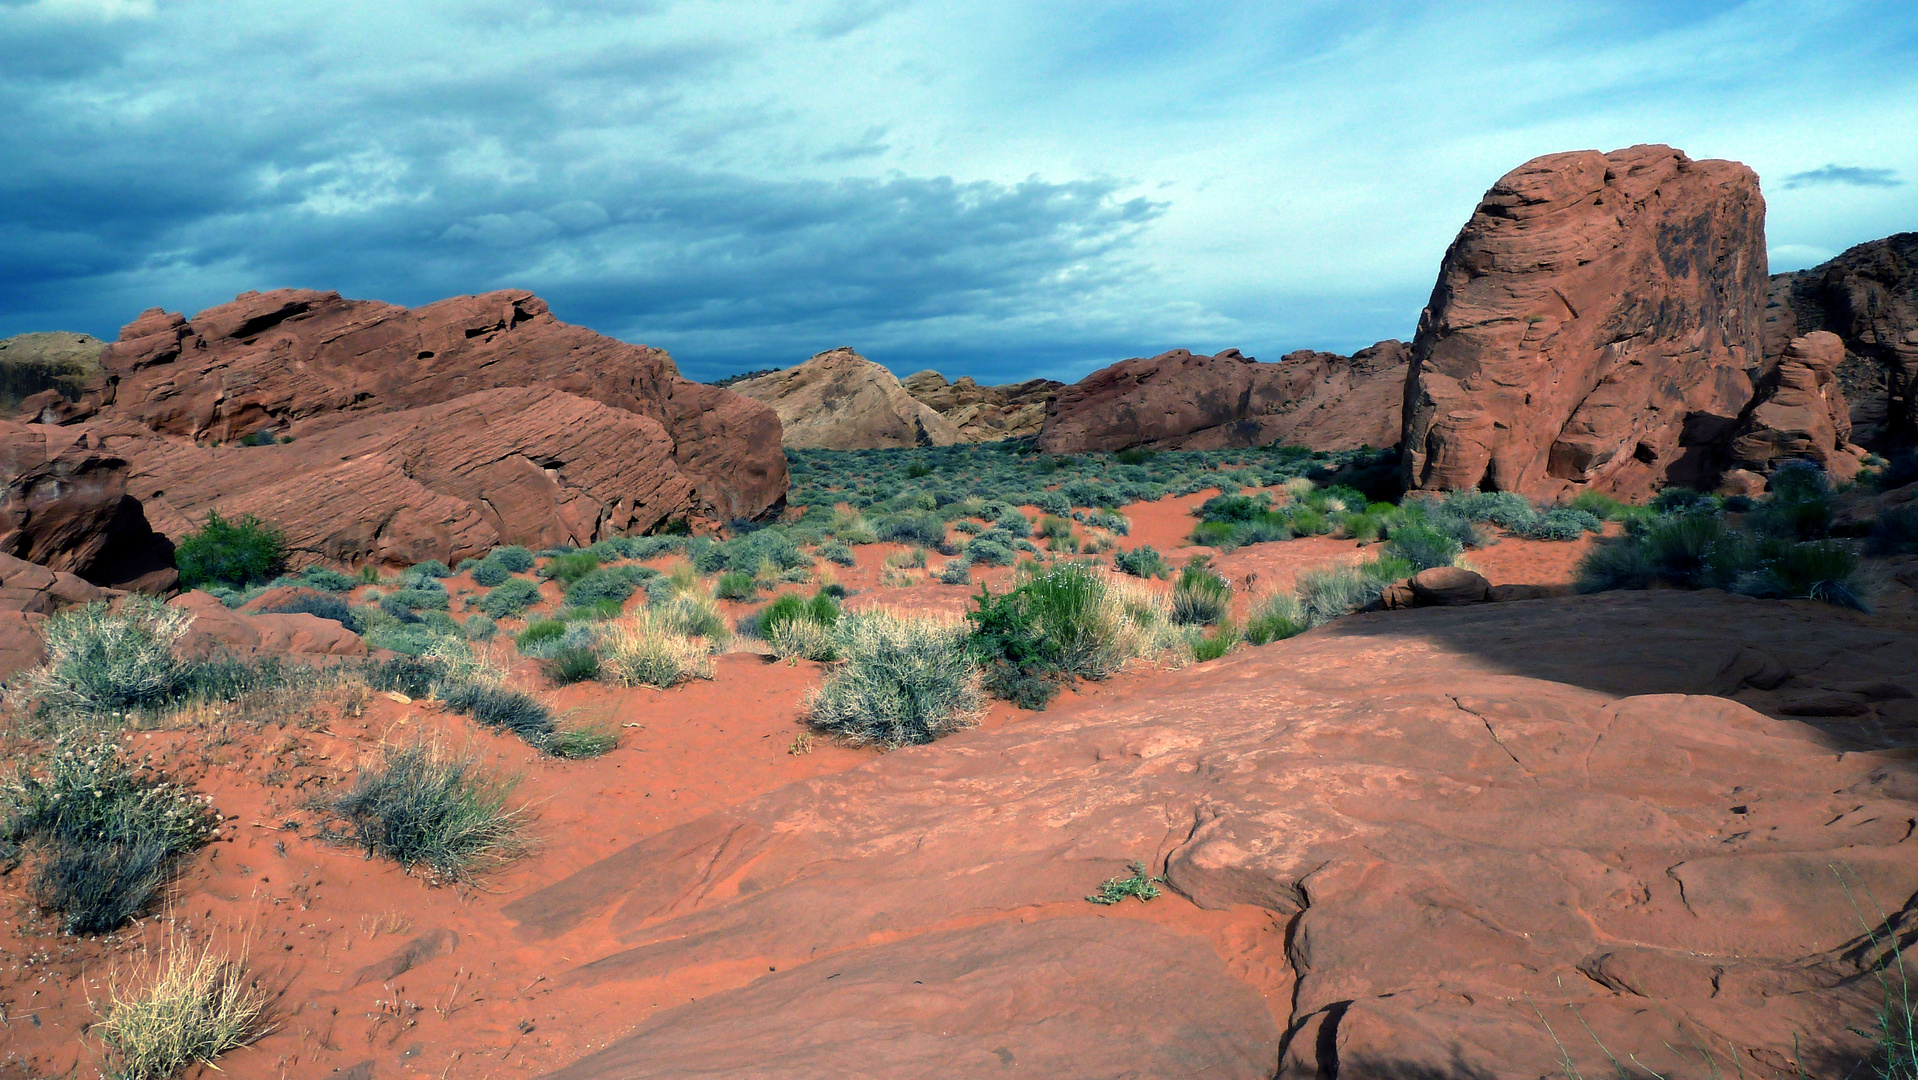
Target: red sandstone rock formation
[
  {"x": 66, "y": 507},
  {"x": 399, "y": 435},
  {"x": 1800, "y": 412},
  {"x": 1182, "y": 401},
  {"x": 1868, "y": 296},
  {"x": 1596, "y": 325}
]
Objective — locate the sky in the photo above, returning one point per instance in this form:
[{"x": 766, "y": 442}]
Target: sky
[{"x": 996, "y": 189}]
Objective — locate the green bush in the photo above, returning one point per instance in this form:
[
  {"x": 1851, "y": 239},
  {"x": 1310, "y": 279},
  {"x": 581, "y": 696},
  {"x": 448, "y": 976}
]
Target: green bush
[
  {"x": 479, "y": 628},
  {"x": 325, "y": 580},
  {"x": 1423, "y": 546},
  {"x": 1560, "y": 523},
  {"x": 1141, "y": 562},
  {"x": 1799, "y": 506},
  {"x": 537, "y": 632},
  {"x": 955, "y": 572},
  {"x": 1275, "y": 618},
  {"x": 1599, "y": 505},
  {"x": 509, "y": 599},
  {"x": 423, "y": 806},
  {"x": 1332, "y": 592},
  {"x": 1217, "y": 643},
  {"x": 571, "y": 665},
  {"x": 496, "y": 706},
  {"x": 418, "y": 599},
  {"x": 984, "y": 552},
  {"x": 614, "y": 583},
  {"x": 1200, "y": 596},
  {"x": 488, "y": 573},
  {"x": 236, "y": 553},
  {"x": 835, "y": 552},
  {"x": 734, "y": 585},
  {"x": 514, "y": 558},
  {"x": 105, "y": 661},
  {"x": 927, "y": 529},
  {"x": 1895, "y": 532},
  {"x": 570, "y": 567},
  {"x": 107, "y": 831},
  {"x": 904, "y": 681},
  {"x": 1824, "y": 570},
  {"x": 1231, "y": 508}
]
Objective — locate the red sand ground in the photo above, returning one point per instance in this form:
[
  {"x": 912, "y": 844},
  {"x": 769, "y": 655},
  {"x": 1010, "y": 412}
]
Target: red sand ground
[{"x": 329, "y": 931}]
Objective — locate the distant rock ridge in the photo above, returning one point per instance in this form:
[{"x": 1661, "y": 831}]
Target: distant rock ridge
[
  {"x": 1597, "y": 325},
  {"x": 985, "y": 413},
  {"x": 839, "y": 400},
  {"x": 372, "y": 432},
  {"x": 61, "y": 361},
  {"x": 1868, "y": 296},
  {"x": 1180, "y": 400}
]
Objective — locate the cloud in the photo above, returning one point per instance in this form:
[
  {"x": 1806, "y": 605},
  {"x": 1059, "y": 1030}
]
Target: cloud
[{"x": 1845, "y": 176}]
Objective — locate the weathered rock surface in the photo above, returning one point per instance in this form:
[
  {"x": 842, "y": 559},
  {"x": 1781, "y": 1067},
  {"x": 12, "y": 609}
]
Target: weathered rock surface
[
  {"x": 1446, "y": 585},
  {"x": 522, "y": 465},
  {"x": 67, "y": 508},
  {"x": 60, "y": 361},
  {"x": 1800, "y": 412},
  {"x": 1868, "y": 296},
  {"x": 839, "y": 400},
  {"x": 1596, "y": 325},
  {"x": 1182, "y": 401},
  {"x": 218, "y": 630},
  {"x": 1566, "y": 804},
  {"x": 985, "y": 413}
]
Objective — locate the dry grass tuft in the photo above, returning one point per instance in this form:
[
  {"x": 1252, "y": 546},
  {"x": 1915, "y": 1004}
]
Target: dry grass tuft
[
  {"x": 652, "y": 649},
  {"x": 198, "y": 1003}
]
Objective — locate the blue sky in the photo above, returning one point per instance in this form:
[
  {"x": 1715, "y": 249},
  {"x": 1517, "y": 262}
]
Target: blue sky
[{"x": 997, "y": 189}]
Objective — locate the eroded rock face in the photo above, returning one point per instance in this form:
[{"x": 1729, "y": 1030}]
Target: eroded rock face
[
  {"x": 839, "y": 400},
  {"x": 60, "y": 362},
  {"x": 1596, "y": 325},
  {"x": 1590, "y": 803},
  {"x": 985, "y": 413},
  {"x": 1800, "y": 412},
  {"x": 67, "y": 508},
  {"x": 1179, "y": 400},
  {"x": 1868, "y": 296}
]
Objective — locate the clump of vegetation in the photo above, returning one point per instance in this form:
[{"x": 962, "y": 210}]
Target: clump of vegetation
[
  {"x": 509, "y": 599},
  {"x": 1211, "y": 646},
  {"x": 515, "y": 559},
  {"x": 325, "y": 607},
  {"x": 608, "y": 583},
  {"x": 570, "y": 567},
  {"x": 495, "y": 705},
  {"x": 234, "y": 553},
  {"x": 106, "y": 832},
  {"x": 1070, "y": 622},
  {"x": 326, "y": 580},
  {"x": 1895, "y": 532},
  {"x": 488, "y": 573},
  {"x": 107, "y": 661},
  {"x": 197, "y": 1003},
  {"x": 955, "y": 572},
  {"x": 734, "y": 585},
  {"x": 1141, "y": 884},
  {"x": 1331, "y": 592},
  {"x": 1143, "y": 562},
  {"x": 1200, "y": 595},
  {"x": 1423, "y": 546},
  {"x": 904, "y": 681},
  {"x": 1275, "y": 617},
  {"x": 653, "y": 649},
  {"x": 422, "y": 805}
]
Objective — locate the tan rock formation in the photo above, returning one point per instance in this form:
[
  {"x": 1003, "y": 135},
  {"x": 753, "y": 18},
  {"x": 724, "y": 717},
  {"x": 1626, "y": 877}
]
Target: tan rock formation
[
  {"x": 985, "y": 413},
  {"x": 1183, "y": 401},
  {"x": 1800, "y": 412},
  {"x": 839, "y": 400},
  {"x": 1596, "y": 325},
  {"x": 61, "y": 361}
]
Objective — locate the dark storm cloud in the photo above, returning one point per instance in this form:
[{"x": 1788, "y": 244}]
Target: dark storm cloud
[{"x": 1844, "y": 175}]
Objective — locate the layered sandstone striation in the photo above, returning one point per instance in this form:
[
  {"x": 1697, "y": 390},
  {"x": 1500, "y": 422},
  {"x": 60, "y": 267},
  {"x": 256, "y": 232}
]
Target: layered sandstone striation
[
  {"x": 1180, "y": 400},
  {"x": 839, "y": 400},
  {"x": 985, "y": 413},
  {"x": 1800, "y": 412},
  {"x": 370, "y": 431},
  {"x": 1596, "y": 325},
  {"x": 1868, "y": 296}
]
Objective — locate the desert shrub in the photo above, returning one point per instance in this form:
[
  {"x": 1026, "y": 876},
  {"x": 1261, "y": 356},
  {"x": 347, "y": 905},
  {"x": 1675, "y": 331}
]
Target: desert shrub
[
  {"x": 904, "y": 681},
  {"x": 325, "y": 580},
  {"x": 1799, "y": 506},
  {"x": 1559, "y": 523},
  {"x": 1506, "y": 509},
  {"x": 538, "y": 633},
  {"x": 851, "y": 527},
  {"x": 955, "y": 572},
  {"x": 418, "y": 599},
  {"x": 791, "y": 607},
  {"x": 1142, "y": 562},
  {"x": 413, "y": 676},
  {"x": 614, "y": 583},
  {"x": 394, "y": 612},
  {"x": 650, "y": 649},
  {"x": 1599, "y": 505},
  {"x": 1141, "y": 885},
  {"x": 496, "y": 706},
  {"x": 1330, "y": 592},
  {"x": 196, "y": 1004},
  {"x": 968, "y": 526},
  {"x": 1057, "y": 625},
  {"x": 1681, "y": 547},
  {"x": 1895, "y": 532},
  {"x": 734, "y": 585},
  {"x": 1200, "y": 595},
  {"x": 1230, "y": 508},
  {"x": 514, "y": 558},
  {"x": 1824, "y": 570},
  {"x": 479, "y": 628},
  {"x": 1215, "y": 534},
  {"x": 1423, "y": 546},
  {"x": 424, "y": 806},
  {"x": 925, "y": 529},
  {"x": 570, "y": 567},
  {"x": 987, "y": 552},
  {"x": 431, "y": 568},
  {"x": 1217, "y": 643},
  {"x": 1678, "y": 499},
  {"x": 105, "y": 660},
  {"x": 804, "y": 639},
  {"x": 107, "y": 830},
  {"x": 570, "y": 665},
  {"x": 1052, "y": 528},
  {"x": 835, "y": 552},
  {"x": 236, "y": 553},
  {"x": 510, "y": 598},
  {"x": 1110, "y": 520},
  {"x": 1013, "y": 522},
  {"x": 488, "y": 573},
  {"x": 325, "y": 607},
  {"x": 1624, "y": 563},
  {"x": 1275, "y": 617}
]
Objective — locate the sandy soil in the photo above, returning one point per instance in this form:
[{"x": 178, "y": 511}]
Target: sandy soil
[{"x": 377, "y": 973}]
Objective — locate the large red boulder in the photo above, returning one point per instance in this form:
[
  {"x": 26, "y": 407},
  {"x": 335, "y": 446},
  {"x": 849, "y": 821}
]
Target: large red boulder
[
  {"x": 1800, "y": 412},
  {"x": 300, "y": 363},
  {"x": 1596, "y": 325},
  {"x": 66, "y": 507},
  {"x": 1868, "y": 296},
  {"x": 1180, "y": 400}
]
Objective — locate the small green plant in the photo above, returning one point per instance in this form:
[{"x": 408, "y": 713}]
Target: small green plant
[
  {"x": 735, "y": 585},
  {"x": 955, "y": 572},
  {"x": 1141, "y": 884},
  {"x": 1274, "y": 618},
  {"x": 1200, "y": 595},
  {"x": 509, "y": 599},
  {"x": 1143, "y": 562},
  {"x": 488, "y": 573},
  {"x": 319, "y": 606},
  {"x": 537, "y": 632},
  {"x": 106, "y": 661},
  {"x": 1423, "y": 546},
  {"x": 905, "y": 681},
  {"x": 236, "y": 553},
  {"x": 571, "y": 665},
  {"x": 1217, "y": 643},
  {"x": 422, "y": 805},
  {"x": 197, "y": 1003},
  {"x": 570, "y": 567},
  {"x": 652, "y": 649},
  {"x": 497, "y": 706}
]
